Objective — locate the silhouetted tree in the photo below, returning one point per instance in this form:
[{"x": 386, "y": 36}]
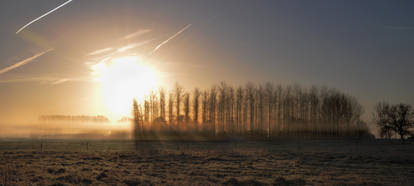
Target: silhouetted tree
[
  {"x": 196, "y": 105},
  {"x": 263, "y": 111},
  {"x": 212, "y": 108},
  {"x": 251, "y": 103},
  {"x": 398, "y": 119},
  {"x": 170, "y": 109},
  {"x": 162, "y": 104},
  {"x": 204, "y": 107},
  {"x": 270, "y": 104},
  {"x": 138, "y": 123},
  {"x": 239, "y": 113},
  {"x": 187, "y": 107},
  {"x": 178, "y": 95}
]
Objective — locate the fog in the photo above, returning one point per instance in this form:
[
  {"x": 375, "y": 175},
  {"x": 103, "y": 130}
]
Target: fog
[{"x": 65, "y": 129}]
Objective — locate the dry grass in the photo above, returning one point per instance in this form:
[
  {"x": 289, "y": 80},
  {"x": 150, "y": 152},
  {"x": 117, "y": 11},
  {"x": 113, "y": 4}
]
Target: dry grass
[{"x": 67, "y": 162}]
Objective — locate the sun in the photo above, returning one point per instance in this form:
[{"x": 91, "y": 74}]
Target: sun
[{"x": 123, "y": 79}]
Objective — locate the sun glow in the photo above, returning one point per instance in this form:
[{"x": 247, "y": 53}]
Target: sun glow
[{"x": 122, "y": 80}]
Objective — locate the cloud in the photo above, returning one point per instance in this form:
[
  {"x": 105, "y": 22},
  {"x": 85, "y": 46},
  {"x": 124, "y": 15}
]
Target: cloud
[
  {"x": 131, "y": 46},
  {"x": 23, "y": 62},
  {"x": 136, "y": 34},
  {"x": 59, "y": 81},
  {"x": 28, "y": 79},
  {"x": 100, "y": 51},
  {"x": 170, "y": 38},
  {"x": 52, "y": 80},
  {"x": 40, "y": 17}
]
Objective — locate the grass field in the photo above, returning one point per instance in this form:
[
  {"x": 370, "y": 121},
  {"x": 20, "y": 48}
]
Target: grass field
[{"x": 283, "y": 162}]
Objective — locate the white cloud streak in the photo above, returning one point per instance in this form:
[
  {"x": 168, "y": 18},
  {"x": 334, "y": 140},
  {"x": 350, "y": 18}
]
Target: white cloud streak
[
  {"x": 47, "y": 13},
  {"x": 136, "y": 34},
  {"x": 100, "y": 51},
  {"x": 170, "y": 38},
  {"x": 23, "y": 62},
  {"x": 132, "y": 45},
  {"x": 61, "y": 81},
  {"x": 51, "y": 80}
]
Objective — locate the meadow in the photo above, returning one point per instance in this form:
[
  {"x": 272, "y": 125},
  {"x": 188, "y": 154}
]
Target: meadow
[{"x": 239, "y": 162}]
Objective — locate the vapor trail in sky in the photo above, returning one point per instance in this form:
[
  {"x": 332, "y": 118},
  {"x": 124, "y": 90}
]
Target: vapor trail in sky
[
  {"x": 47, "y": 13},
  {"x": 137, "y": 33},
  {"x": 100, "y": 51},
  {"x": 23, "y": 62},
  {"x": 172, "y": 37}
]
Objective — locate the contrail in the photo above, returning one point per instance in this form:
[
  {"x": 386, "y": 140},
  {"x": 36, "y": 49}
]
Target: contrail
[
  {"x": 137, "y": 33},
  {"x": 23, "y": 62},
  {"x": 61, "y": 81},
  {"x": 100, "y": 51},
  {"x": 172, "y": 37},
  {"x": 47, "y": 13}
]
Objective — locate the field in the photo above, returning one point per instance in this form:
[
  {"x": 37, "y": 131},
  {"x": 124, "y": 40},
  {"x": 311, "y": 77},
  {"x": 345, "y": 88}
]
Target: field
[{"x": 282, "y": 162}]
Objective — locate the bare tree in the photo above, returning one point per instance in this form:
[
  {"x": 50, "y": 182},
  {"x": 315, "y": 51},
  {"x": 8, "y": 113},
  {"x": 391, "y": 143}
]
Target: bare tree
[
  {"x": 178, "y": 95},
  {"x": 212, "y": 108},
  {"x": 162, "y": 104},
  {"x": 204, "y": 107},
  {"x": 239, "y": 113},
  {"x": 270, "y": 105},
  {"x": 196, "y": 105},
  {"x": 251, "y": 100},
  {"x": 260, "y": 110},
  {"x": 398, "y": 119},
  {"x": 170, "y": 109},
  {"x": 138, "y": 123},
  {"x": 187, "y": 107}
]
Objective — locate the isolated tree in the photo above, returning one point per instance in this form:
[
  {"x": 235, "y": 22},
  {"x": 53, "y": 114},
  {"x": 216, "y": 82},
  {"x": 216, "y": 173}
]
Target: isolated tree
[{"x": 397, "y": 119}]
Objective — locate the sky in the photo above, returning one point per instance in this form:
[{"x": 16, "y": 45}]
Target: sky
[{"x": 363, "y": 48}]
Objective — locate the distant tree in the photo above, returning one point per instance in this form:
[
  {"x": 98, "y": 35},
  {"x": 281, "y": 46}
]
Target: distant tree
[
  {"x": 170, "y": 109},
  {"x": 260, "y": 110},
  {"x": 154, "y": 106},
  {"x": 397, "y": 119},
  {"x": 187, "y": 107},
  {"x": 146, "y": 112},
  {"x": 162, "y": 104},
  {"x": 212, "y": 108},
  {"x": 138, "y": 123},
  {"x": 221, "y": 106},
  {"x": 239, "y": 113},
  {"x": 250, "y": 90},
  {"x": 178, "y": 96},
  {"x": 270, "y": 104},
  {"x": 204, "y": 107},
  {"x": 196, "y": 105},
  {"x": 230, "y": 108}
]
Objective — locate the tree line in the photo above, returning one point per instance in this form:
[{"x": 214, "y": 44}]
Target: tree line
[{"x": 254, "y": 109}]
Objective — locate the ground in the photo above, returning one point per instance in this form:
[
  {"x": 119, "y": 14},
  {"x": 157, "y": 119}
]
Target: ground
[{"x": 282, "y": 162}]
